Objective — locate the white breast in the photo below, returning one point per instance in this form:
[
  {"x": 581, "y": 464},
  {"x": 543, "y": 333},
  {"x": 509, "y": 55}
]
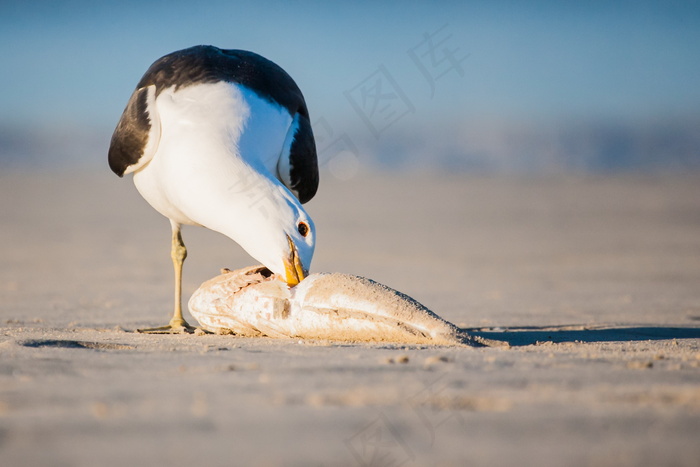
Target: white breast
[{"x": 217, "y": 140}]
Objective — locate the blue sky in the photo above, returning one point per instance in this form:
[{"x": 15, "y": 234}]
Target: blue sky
[
  {"x": 76, "y": 62},
  {"x": 79, "y": 60}
]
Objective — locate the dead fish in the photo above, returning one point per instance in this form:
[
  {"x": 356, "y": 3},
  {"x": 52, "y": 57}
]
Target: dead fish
[{"x": 329, "y": 306}]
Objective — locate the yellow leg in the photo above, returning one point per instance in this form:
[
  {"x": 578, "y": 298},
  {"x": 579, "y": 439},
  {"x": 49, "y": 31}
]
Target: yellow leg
[{"x": 177, "y": 324}]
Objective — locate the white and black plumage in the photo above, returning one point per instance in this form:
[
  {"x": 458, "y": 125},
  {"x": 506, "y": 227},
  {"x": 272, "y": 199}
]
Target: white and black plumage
[{"x": 222, "y": 139}]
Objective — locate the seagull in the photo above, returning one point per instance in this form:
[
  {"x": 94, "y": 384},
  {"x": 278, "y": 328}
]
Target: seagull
[{"x": 222, "y": 139}]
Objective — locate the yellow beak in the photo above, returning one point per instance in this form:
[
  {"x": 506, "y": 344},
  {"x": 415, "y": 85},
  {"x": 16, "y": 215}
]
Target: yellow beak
[{"x": 293, "y": 269}]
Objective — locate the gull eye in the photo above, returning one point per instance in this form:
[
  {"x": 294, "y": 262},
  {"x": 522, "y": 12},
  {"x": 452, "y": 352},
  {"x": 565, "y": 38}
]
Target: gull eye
[{"x": 303, "y": 228}]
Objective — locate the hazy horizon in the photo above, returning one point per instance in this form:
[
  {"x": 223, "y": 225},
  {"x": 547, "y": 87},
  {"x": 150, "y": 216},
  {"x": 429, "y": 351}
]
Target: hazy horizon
[{"x": 471, "y": 85}]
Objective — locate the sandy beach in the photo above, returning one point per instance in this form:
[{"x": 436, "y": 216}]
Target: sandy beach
[{"x": 592, "y": 281}]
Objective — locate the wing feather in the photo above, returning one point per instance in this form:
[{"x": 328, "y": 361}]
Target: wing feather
[
  {"x": 297, "y": 167},
  {"x": 135, "y": 140}
]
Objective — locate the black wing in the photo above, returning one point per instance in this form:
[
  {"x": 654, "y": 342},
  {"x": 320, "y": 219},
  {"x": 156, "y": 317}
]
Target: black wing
[
  {"x": 298, "y": 167},
  {"x": 136, "y": 137}
]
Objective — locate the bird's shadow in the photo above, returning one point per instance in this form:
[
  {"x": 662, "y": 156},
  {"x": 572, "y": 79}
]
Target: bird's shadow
[{"x": 521, "y": 336}]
